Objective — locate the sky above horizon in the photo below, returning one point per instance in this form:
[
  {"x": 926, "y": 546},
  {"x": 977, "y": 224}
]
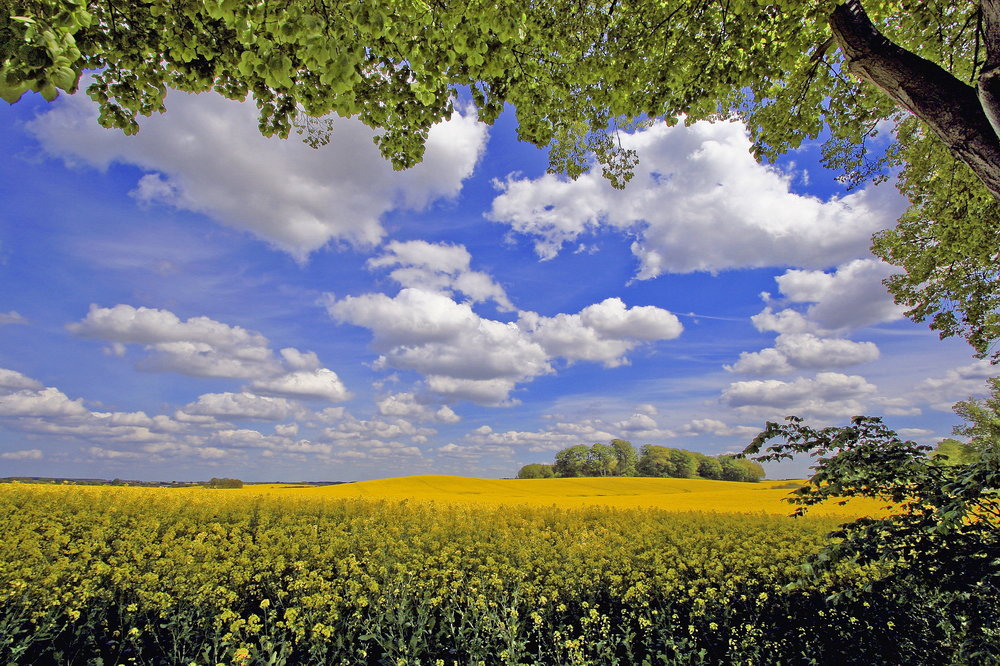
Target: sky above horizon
[{"x": 199, "y": 301}]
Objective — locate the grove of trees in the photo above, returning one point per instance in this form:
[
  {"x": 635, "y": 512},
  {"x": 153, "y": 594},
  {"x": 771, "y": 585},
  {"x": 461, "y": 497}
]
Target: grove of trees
[{"x": 619, "y": 458}]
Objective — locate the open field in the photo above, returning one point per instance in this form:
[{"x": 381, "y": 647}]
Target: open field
[
  {"x": 465, "y": 571},
  {"x": 618, "y": 492}
]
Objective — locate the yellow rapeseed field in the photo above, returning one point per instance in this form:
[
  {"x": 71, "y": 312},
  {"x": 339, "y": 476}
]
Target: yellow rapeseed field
[{"x": 619, "y": 492}]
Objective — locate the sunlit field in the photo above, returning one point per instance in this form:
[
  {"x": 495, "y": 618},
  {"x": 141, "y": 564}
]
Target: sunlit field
[
  {"x": 431, "y": 570},
  {"x": 618, "y": 492}
]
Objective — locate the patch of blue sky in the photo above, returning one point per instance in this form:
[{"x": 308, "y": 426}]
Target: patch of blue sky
[{"x": 266, "y": 311}]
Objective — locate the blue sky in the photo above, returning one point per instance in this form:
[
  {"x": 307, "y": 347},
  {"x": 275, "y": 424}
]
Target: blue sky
[{"x": 199, "y": 301}]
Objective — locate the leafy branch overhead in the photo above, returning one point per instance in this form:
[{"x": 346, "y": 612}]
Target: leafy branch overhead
[
  {"x": 579, "y": 73},
  {"x": 572, "y": 70}
]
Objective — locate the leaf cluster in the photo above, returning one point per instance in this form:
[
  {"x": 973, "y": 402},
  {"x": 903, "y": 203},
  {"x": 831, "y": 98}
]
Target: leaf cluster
[
  {"x": 939, "y": 545},
  {"x": 577, "y": 73}
]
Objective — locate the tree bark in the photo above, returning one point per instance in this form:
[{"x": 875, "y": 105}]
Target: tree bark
[
  {"x": 989, "y": 76},
  {"x": 951, "y": 108}
]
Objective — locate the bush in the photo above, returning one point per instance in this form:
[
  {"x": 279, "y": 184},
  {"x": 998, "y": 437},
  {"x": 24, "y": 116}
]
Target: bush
[
  {"x": 224, "y": 483},
  {"x": 536, "y": 471}
]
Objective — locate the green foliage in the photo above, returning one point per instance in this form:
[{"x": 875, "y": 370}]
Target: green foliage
[
  {"x": 620, "y": 459},
  {"x": 171, "y": 577},
  {"x": 982, "y": 419},
  {"x": 224, "y": 483},
  {"x": 708, "y": 467},
  {"x": 625, "y": 457},
  {"x": 953, "y": 452},
  {"x": 601, "y": 460},
  {"x": 577, "y": 74},
  {"x": 572, "y": 461},
  {"x": 947, "y": 244},
  {"x": 536, "y": 471},
  {"x": 937, "y": 549},
  {"x": 740, "y": 469},
  {"x": 666, "y": 462}
]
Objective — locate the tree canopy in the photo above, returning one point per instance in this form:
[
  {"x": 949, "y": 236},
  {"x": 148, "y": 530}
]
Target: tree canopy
[
  {"x": 619, "y": 458},
  {"x": 576, "y": 73}
]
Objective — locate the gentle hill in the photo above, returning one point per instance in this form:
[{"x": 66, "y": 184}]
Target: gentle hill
[{"x": 621, "y": 492}]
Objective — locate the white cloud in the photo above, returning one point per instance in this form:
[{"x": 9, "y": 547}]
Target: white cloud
[
  {"x": 602, "y": 332},
  {"x": 829, "y": 394},
  {"x": 563, "y": 434},
  {"x": 461, "y": 354},
  {"x": 203, "y": 347},
  {"x": 440, "y": 267},
  {"x": 474, "y": 452},
  {"x": 30, "y": 407},
  {"x": 717, "y": 428},
  {"x": 699, "y": 202},
  {"x": 193, "y": 432},
  {"x": 559, "y": 436},
  {"x": 199, "y": 347},
  {"x": 28, "y": 454},
  {"x": 641, "y": 426},
  {"x": 797, "y": 351},
  {"x": 914, "y": 432},
  {"x": 10, "y": 379},
  {"x": 850, "y": 298},
  {"x": 240, "y": 406},
  {"x": 12, "y": 318},
  {"x": 287, "y": 430},
  {"x": 372, "y": 432},
  {"x": 318, "y": 384},
  {"x": 957, "y": 384},
  {"x": 409, "y": 405},
  {"x": 465, "y": 356},
  {"x": 207, "y": 155}
]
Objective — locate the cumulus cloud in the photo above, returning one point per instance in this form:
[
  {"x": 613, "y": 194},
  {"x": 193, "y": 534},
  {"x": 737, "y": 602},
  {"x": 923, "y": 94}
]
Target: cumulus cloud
[
  {"x": 698, "y": 202},
  {"x": 203, "y": 347},
  {"x": 717, "y": 428},
  {"x": 439, "y": 267},
  {"x": 28, "y": 454},
  {"x": 409, "y": 405},
  {"x": 957, "y": 384},
  {"x": 12, "y": 380},
  {"x": 563, "y": 434},
  {"x": 239, "y": 406},
  {"x": 797, "y": 351},
  {"x": 194, "y": 432},
  {"x": 207, "y": 155},
  {"x": 465, "y": 356},
  {"x": 473, "y": 452},
  {"x": 28, "y": 406},
  {"x": 12, "y": 318},
  {"x": 850, "y": 298},
  {"x": 602, "y": 332},
  {"x": 829, "y": 394},
  {"x": 317, "y": 384},
  {"x": 375, "y": 436}
]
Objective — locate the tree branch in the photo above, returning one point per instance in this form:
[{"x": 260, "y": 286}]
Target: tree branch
[
  {"x": 989, "y": 76},
  {"x": 951, "y": 108}
]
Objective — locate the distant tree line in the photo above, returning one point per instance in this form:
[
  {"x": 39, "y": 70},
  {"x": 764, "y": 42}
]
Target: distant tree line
[
  {"x": 224, "y": 483},
  {"x": 619, "y": 458}
]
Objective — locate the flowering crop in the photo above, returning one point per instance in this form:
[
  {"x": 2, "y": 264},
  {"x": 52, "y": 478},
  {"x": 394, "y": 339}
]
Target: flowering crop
[{"x": 180, "y": 577}]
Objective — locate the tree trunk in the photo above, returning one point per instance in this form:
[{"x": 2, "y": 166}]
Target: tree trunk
[
  {"x": 962, "y": 119},
  {"x": 989, "y": 76}
]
